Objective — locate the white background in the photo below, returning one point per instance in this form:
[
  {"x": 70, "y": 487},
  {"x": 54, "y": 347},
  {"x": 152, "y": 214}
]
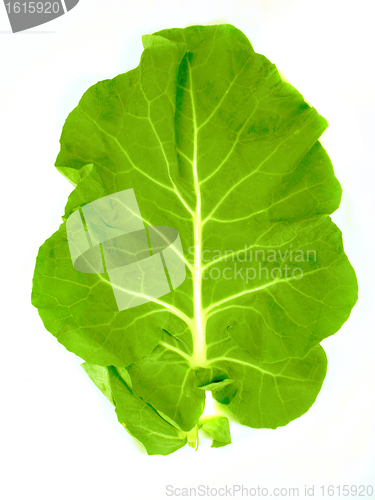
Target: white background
[{"x": 59, "y": 436}]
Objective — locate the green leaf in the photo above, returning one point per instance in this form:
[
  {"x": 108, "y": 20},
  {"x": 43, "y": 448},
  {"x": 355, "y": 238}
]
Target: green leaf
[
  {"x": 218, "y": 429},
  {"x": 100, "y": 375},
  {"x": 269, "y": 395},
  {"x": 81, "y": 311},
  {"x": 217, "y": 146},
  {"x": 156, "y": 435},
  {"x": 166, "y": 381}
]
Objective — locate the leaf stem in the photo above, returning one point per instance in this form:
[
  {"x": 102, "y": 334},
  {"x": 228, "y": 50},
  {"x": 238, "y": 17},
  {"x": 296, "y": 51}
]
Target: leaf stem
[{"x": 199, "y": 326}]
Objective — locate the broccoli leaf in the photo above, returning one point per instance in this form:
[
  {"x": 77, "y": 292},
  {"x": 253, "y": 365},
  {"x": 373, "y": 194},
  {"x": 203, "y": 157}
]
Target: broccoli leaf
[
  {"x": 157, "y": 436},
  {"x": 218, "y": 429},
  {"x": 216, "y": 145}
]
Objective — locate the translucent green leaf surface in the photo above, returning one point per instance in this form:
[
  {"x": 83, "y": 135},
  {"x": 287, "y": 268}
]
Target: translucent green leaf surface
[
  {"x": 155, "y": 434},
  {"x": 218, "y": 429},
  {"x": 217, "y": 146}
]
